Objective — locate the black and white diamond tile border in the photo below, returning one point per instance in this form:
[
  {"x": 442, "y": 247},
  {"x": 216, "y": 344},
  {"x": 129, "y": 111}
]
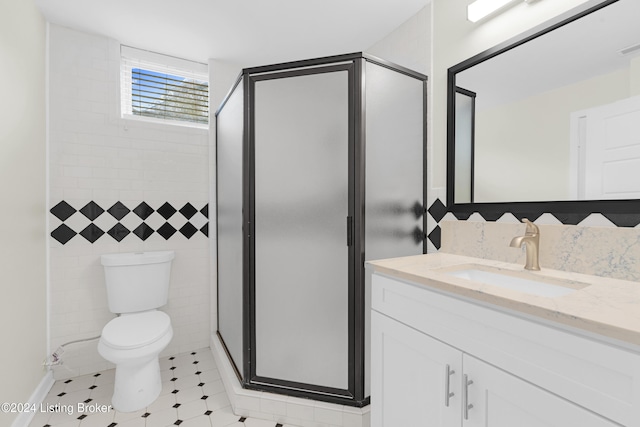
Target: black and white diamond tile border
[
  {"x": 192, "y": 396},
  {"x": 439, "y": 212},
  {"x": 116, "y": 221}
]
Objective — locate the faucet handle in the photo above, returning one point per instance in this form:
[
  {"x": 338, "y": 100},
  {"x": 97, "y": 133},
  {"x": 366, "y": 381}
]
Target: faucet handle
[{"x": 531, "y": 227}]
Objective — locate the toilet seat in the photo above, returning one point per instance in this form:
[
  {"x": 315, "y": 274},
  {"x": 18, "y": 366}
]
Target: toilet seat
[{"x": 136, "y": 330}]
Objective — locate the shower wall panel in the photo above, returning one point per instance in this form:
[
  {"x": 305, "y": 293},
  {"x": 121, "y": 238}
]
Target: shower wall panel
[
  {"x": 230, "y": 125},
  {"x": 395, "y": 155}
]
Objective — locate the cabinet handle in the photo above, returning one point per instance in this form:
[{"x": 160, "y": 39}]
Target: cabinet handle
[
  {"x": 465, "y": 397},
  {"x": 447, "y": 381}
]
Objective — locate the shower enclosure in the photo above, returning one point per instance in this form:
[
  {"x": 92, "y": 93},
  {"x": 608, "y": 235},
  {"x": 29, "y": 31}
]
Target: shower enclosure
[{"x": 320, "y": 166}]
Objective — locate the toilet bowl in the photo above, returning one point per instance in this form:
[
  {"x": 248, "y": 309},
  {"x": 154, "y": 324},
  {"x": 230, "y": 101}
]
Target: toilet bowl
[
  {"x": 137, "y": 284},
  {"x": 133, "y": 343}
]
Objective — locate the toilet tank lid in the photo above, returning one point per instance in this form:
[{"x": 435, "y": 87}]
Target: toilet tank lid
[{"x": 136, "y": 258}]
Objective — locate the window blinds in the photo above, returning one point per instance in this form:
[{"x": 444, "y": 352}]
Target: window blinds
[{"x": 163, "y": 87}]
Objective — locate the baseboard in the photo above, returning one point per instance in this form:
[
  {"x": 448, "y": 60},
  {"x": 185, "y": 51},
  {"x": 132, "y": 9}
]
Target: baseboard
[
  {"x": 231, "y": 384},
  {"x": 24, "y": 418},
  {"x": 283, "y": 409}
]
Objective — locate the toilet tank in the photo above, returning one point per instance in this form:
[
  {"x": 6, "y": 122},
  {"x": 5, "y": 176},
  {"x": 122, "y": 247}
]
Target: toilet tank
[{"x": 137, "y": 281}]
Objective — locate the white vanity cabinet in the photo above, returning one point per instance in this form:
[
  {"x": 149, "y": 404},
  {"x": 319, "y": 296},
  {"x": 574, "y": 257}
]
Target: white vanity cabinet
[
  {"x": 406, "y": 366},
  {"x": 432, "y": 354}
]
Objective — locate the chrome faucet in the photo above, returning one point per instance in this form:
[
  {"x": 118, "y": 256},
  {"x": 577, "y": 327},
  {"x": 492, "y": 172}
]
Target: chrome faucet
[{"x": 531, "y": 240}]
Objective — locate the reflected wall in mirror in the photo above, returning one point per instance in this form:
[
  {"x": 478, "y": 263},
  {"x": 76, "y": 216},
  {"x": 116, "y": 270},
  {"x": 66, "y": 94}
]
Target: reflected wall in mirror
[
  {"x": 556, "y": 116},
  {"x": 464, "y": 153}
]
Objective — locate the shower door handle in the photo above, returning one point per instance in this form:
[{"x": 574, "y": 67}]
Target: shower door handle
[{"x": 349, "y": 231}]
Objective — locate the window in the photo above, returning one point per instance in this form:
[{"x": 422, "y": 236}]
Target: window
[{"x": 163, "y": 88}]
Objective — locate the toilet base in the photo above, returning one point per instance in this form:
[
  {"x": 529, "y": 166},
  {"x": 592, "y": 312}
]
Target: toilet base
[
  {"x": 136, "y": 386},
  {"x": 138, "y": 382}
]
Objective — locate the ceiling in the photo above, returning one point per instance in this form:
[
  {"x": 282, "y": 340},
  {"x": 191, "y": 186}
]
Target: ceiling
[{"x": 245, "y": 32}]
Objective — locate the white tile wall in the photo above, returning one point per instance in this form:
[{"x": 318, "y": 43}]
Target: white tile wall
[{"x": 96, "y": 155}]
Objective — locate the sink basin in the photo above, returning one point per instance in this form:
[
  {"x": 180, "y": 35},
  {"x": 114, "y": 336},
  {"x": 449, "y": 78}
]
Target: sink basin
[{"x": 517, "y": 281}]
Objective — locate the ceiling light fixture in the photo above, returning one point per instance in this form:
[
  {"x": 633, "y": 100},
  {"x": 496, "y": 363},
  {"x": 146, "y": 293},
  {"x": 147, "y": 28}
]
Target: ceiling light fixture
[
  {"x": 480, "y": 9},
  {"x": 634, "y": 48}
]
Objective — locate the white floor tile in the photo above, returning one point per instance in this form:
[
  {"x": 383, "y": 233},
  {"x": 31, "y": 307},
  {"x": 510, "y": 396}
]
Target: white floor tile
[
  {"x": 184, "y": 359},
  {"x": 98, "y": 419},
  {"x": 135, "y": 422},
  {"x": 75, "y": 397},
  {"x": 165, "y": 401},
  {"x": 192, "y": 409},
  {"x": 201, "y": 421},
  {"x": 210, "y": 375},
  {"x": 121, "y": 417},
  {"x": 80, "y": 383},
  {"x": 51, "y": 398},
  {"x": 189, "y": 394},
  {"x": 167, "y": 388},
  {"x": 58, "y": 387},
  {"x": 206, "y": 365},
  {"x": 187, "y": 405},
  {"x": 59, "y": 418},
  {"x": 184, "y": 370},
  {"x": 254, "y": 422},
  {"x": 165, "y": 364},
  {"x": 166, "y": 376},
  {"x": 162, "y": 418},
  {"x": 223, "y": 417},
  {"x": 39, "y": 419},
  {"x": 73, "y": 423},
  {"x": 187, "y": 381},
  {"x": 213, "y": 387},
  {"x": 102, "y": 397},
  {"x": 217, "y": 401}
]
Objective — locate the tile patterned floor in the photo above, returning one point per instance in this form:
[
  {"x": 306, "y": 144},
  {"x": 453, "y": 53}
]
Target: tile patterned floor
[{"x": 192, "y": 396}]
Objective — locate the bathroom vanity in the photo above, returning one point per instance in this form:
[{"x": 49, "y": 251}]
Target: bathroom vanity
[{"x": 449, "y": 349}]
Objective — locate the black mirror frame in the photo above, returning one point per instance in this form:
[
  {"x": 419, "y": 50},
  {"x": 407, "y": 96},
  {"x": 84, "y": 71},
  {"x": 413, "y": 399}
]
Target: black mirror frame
[{"x": 626, "y": 212}]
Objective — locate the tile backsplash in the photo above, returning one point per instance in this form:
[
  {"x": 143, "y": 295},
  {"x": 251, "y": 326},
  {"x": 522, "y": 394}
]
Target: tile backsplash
[
  {"x": 438, "y": 212},
  {"x": 601, "y": 251},
  {"x": 605, "y": 245}
]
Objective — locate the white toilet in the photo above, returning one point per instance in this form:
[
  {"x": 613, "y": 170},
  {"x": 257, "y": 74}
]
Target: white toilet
[{"x": 137, "y": 284}]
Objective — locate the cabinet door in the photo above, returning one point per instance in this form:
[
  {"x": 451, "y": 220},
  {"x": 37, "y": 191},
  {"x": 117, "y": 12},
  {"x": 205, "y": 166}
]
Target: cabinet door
[
  {"x": 409, "y": 377},
  {"x": 503, "y": 400}
]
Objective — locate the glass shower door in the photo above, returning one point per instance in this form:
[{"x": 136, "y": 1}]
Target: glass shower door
[{"x": 301, "y": 204}]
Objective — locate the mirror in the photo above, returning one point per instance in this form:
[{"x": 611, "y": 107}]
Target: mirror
[{"x": 552, "y": 117}]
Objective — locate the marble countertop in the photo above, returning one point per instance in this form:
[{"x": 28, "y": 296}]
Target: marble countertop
[{"x": 599, "y": 305}]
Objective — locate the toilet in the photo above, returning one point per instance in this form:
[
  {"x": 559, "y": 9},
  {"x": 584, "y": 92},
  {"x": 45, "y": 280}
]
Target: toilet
[{"x": 137, "y": 285}]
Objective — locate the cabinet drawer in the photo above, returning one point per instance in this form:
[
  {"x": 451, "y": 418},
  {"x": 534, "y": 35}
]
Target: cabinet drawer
[{"x": 597, "y": 376}]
